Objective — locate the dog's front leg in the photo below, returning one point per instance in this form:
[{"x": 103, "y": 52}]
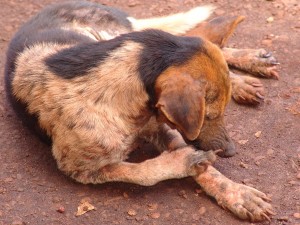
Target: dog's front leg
[
  {"x": 244, "y": 201},
  {"x": 180, "y": 163},
  {"x": 162, "y": 136},
  {"x": 258, "y": 62}
]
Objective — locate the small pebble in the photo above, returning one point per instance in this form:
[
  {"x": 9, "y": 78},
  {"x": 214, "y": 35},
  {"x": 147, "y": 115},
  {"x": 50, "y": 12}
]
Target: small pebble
[
  {"x": 155, "y": 215},
  {"x": 244, "y": 165},
  {"x": 131, "y": 212},
  {"x": 270, "y": 19},
  {"x": 257, "y": 134},
  {"x": 61, "y": 209},
  {"x": 202, "y": 210},
  {"x": 242, "y": 142},
  {"x": 296, "y": 215}
]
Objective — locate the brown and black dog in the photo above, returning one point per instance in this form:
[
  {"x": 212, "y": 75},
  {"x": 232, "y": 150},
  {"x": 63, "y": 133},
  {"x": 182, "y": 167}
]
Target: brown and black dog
[{"x": 96, "y": 81}]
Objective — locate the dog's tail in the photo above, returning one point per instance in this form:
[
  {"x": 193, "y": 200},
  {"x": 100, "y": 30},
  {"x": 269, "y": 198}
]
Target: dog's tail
[{"x": 175, "y": 24}]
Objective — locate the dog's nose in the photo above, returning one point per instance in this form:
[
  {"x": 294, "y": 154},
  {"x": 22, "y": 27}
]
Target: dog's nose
[{"x": 228, "y": 149}]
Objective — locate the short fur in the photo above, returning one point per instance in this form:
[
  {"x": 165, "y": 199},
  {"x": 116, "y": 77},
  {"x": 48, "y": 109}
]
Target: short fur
[{"x": 81, "y": 74}]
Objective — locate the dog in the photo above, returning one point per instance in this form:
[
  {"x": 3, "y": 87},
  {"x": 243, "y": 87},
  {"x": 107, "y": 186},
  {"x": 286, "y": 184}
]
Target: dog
[{"x": 96, "y": 81}]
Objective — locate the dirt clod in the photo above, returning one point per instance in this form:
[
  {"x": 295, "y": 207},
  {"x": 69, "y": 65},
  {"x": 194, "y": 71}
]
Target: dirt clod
[
  {"x": 61, "y": 209},
  {"x": 244, "y": 165},
  {"x": 154, "y": 215},
  {"x": 296, "y": 215},
  {"x": 242, "y": 142},
  {"x": 258, "y": 134},
  {"x": 202, "y": 210},
  {"x": 131, "y": 212},
  {"x": 84, "y": 207}
]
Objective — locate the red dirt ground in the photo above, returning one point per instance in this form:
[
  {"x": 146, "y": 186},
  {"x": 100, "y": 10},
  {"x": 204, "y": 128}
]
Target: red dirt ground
[{"x": 32, "y": 190}]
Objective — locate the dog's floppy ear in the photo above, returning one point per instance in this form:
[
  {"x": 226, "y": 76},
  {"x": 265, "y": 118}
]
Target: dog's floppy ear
[
  {"x": 181, "y": 104},
  {"x": 217, "y": 30}
]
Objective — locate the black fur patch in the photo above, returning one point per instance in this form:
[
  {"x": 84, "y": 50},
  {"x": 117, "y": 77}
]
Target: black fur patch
[
  {"x": 78, "y": 60},
  {"x": 160, "y": 51}
]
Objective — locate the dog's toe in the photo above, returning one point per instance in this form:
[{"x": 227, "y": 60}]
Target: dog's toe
[{"x": 247, "y": 90}]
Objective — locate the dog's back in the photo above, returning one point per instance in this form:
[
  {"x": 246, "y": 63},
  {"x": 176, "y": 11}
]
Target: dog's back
[{"x": 67, "y": 23}]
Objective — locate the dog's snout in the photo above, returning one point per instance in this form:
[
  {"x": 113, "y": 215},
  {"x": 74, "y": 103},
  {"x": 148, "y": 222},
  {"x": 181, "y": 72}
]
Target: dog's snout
[
  {"x": 228, "y": 149},
  {"x": 214, "y": 136}
]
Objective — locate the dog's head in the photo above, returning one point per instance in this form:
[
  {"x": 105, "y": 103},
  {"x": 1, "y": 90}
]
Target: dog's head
[{"x": 191, "y": 97}]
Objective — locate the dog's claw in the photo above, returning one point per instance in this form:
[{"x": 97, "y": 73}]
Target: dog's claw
[
  {"x": 266, "y": 217},
  {"x": 259, "y": 95},
  {"x": 270, "y": 212},
  {"x": 275, "y": 63},
  {"x": 256, "y": 84},
  {"x": 266, "y": 55}
]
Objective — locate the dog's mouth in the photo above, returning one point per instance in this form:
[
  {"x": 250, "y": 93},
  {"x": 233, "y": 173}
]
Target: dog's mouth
[{"x": 224, "y": 148}]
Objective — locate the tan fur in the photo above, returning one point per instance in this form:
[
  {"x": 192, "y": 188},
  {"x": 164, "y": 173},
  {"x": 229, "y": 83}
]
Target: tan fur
[{"x": 87, "y": 136}]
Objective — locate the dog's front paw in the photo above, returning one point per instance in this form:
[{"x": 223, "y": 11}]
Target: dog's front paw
[
  {"x": 244, "y": 201},
  {"x": 247, "y": 90},
  {"x": 263, "y": 63},
  {"x": 258, "y": 62}
]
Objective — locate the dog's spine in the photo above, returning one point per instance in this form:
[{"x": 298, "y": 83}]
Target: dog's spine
[{"x": 175, "y": 24}]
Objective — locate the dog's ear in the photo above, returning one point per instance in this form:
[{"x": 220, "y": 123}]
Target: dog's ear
[
  {"x": 181, "y": 104},
  {"x": 217, "y": 30}
]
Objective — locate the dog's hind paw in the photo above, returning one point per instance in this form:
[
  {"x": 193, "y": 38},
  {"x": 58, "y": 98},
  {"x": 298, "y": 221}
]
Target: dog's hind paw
[
  {"x": 246, "y": 90},
  {"x": 258, "y": 62}
]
